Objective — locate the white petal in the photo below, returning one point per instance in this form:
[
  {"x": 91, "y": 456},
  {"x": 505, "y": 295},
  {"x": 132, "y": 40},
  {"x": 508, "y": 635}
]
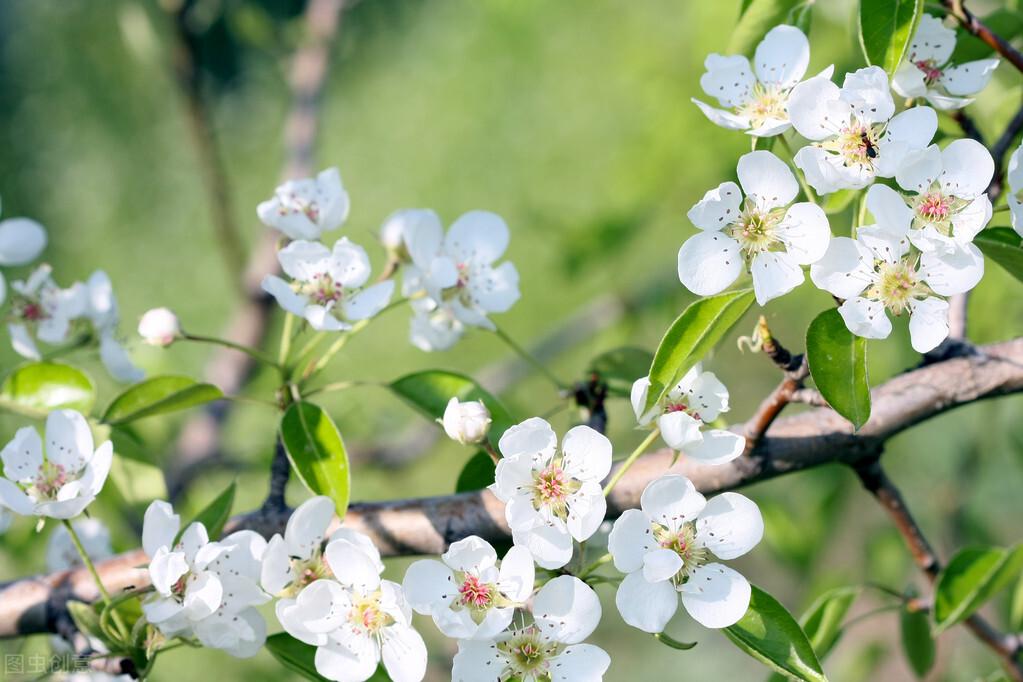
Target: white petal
[
  {"x": 117, "y": 361},
  {"x": 730, "y": 525},
  {"x": 423, "y": 236},
  {"x": 671, "y": 500},
  {"x": 782, "y": 56},
  {"x": 910, "y": 130},
  {"x": 160, "y": 609},
  {"x": 532, "y": 437},
  {"x": 351, "y": 566},
  {"x": 166, "y": 568},
  {"x": 321, "y": 607},
  {"x": 308, "y": 525},
  {"x": 550, "y": 545},
  {"x": 12, "y": 497},
  {"x": 349, "y": 264},
  {"x": 95, "y": 473},
  {"x": 517, "y": 574},
  {"x": 645, "y": 605},
  {"x": 630, "y": 539},
  {"x": 587, "y": 454},
  {"x": 580, "y": 663},
  {"x": 496, "y": 290},
  {"x": 193, "y": 540},
  {"x": 953, "y": 272},
  {"x": 774, "y": 274},
  {"x": 767, "y": 179},
  {"x": 887, "y": 243},
  {"x": 586, "y": 511},
  {"x": 477, "y": 236},
  {"x": 661, "y": 564},
  {"x": 68, "y": 440},
  {"x": 969, "y": 78},
  {"x": 811, "y": 110},
  {"x": 928, "y": 324},
  {"x": 348, "y": 663},
  {"x": 718, "y": 208},
  {"x": 276, "y": 572},
  {"x": 470, "y": 554},
  {"x": 908, "y": 81},
  {"x": 972, "y": 219},
  {"x": 679, "y": 429},
  {"x": 865, "y": 318},
  {"x": 304, "y": 260},
  {"x": 826, "y": 172},
  {"x": 721, "y": 117},
  {"x": 334, "y": 203},
  {"x": 889, "y": 208},
  {"x": 286, "y": 297},
  {"x": 707, "y": 395},
  {"x": 728, "y": 79},
  {"x": 866, "y": 90},
  {"x": 21, "y": 241},
  {"x": 404, "y": 654},
  {"x": 476, "y": 661},
  {"x": 23, "y": 456},
  {"x": 717, "y": 447},
  {"x": 369, "y": 301},
  {"x": 511, "y": 474},
  {"x": 637, "y": 396},
  {"x": 933, "y": 41},
  {"x": 1016, "y": 207},
  {"x": 716, "y": 596},
  {"x": 708, "y": 262},
  {"x": 805, "y": 232},
  {"x": 322, "y": 319},
  {"x": 919, "y": 169},
  {"x": 567, "y": 610},
  {"x": 968, "y": 168}
]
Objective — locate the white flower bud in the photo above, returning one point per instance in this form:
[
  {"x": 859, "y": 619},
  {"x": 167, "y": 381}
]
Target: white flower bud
[
  {"x": 159, "y": 327},
  {"x": 392, "y": 232},
  {"x": 466, "y": 422}
]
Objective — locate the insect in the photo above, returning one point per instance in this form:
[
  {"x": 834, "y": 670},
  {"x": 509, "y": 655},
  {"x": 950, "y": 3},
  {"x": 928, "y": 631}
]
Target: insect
[{"x": 868, "y": 145}]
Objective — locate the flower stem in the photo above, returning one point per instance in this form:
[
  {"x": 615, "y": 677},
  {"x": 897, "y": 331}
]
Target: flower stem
[
  {"x": 600, "y": 561},
  {"x": 251, "y": 352},
  {"x": 525, "y": 355},
  {"x": 640, "y": 449},
  {"x": 91, "y": 567},
  {"x": 810, "y": 196},
  {"x": 285, "y": 346}
]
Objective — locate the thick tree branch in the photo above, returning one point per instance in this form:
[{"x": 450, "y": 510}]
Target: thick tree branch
[
  {"x": 429, "y": 525},
  {"x": 972, "y": 24},
  {"x": 876, "y": 481}
]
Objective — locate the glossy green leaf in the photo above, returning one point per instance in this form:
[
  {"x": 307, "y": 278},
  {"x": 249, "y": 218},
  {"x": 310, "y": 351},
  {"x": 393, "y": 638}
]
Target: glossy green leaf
[
  {"x": 1002, "y": 245},
  {"x": 477, "y": 473},
  {"x": 38, "y": 388},
  {"x": 159, "y": 395},
  {"x": 619, "y": 368},
  {"x": 972, "y": 577},
  {"x": 886, "y": 27},
  {"x": 838, "y": 364},
  {"x": 430, "y": 391},
  {"x": 215, "y": 515},
  {"x": 756, "y": 19},
  {"x": 770, "y": 634},
  {"x": 296, "y": 656},
  {"x": 317, "y": 452},
  {"x": 698, "y": 329},
  {"x": 1016, "y": 607},
  {"x": 822, "y": 622},
  {"x": 917, "y": 642}
]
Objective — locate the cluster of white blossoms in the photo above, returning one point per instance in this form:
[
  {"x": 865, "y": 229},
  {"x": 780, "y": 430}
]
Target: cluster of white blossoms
[{"x": 918, "y": 252}]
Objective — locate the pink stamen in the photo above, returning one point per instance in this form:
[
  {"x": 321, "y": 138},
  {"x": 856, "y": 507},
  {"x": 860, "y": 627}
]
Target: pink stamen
[
  {"x": 474, "y": 593},
  {"x": 934, "y": 206},
  {"x": 931, "y": 72}
]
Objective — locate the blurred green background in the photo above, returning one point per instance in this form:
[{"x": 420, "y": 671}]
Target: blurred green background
[{"x": 572, "y": 120}]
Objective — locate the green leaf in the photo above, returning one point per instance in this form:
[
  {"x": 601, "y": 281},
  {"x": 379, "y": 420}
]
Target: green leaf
[
  {"x": 756, "y": 19},
  {"x": 86, "y": 619},
  {"x": 217, "y": 512},
  {"x": 972, "y": 577},
  {"x": 477, "y": 473},
  {"x": 296, "y": 656},
  {"x": 38, "y": 388},
  {"x": 771, "y": 635},
  {"x": 917, "y": 643},
  {"x": 317, "y": 453},
  {"x": 138, "y": 483},
  {"x": 691, "y": 336},
  {"x": 1016, "y": 607},
  {"x": 838, "y": 364},
  {"x": 822, "y": 622},
  {"x": 430, "y": 391},
  {"x": 836, "y": 202},
  {"x": 1002, "y": 245},
  {"x": 886, "y": 27},
  {"x": 159, "y": 395},
  {"x": 620, "y": 367}
]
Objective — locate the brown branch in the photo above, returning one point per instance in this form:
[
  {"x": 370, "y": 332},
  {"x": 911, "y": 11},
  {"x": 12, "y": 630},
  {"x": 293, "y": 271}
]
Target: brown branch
[
  {"x": 975, "y": 26},
  {"x": 876, "y": 481},
  {"x": 795, "y": 373},
  {"x": 199, "y": 439},
  {"x": 428, "y": 525}
]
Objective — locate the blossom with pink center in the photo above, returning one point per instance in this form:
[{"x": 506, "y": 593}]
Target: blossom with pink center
[
  {"x": 306, "y": 208},
  {"x": 469, "y": 594},
  {"x": 41, "y": 310},
  {"x": 552, "y": 496},
  {"x": 927, "y": 72},
  {"x": 698, "y": 398},
  {"x": 327, "y": 286}
]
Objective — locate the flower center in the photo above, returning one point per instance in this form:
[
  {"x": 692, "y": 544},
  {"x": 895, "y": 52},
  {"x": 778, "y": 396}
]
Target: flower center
[
  {"x": 682, "y": 542},
  {"x": 366, "y": 616},
  {"x": 323, "y": 289},
  {"x": 934, "y": 206},
  {"x": 897, "y": 284},
  {"x": 552, "y": 487},
  {"x": 756, "y": 229},
  {"x": 51, "y": 478},
  {"x": 767, "y": 103},
  {"x": 857, "y": 144},
  {"x": 293, "y": 203},
  {"x": 527, "y": 653},
  {"x": 680, "y": 407},
  {"x": 307, "y": 571},
  {"x": 930, "y": 70},
  {"x": 476, "y": 594}
]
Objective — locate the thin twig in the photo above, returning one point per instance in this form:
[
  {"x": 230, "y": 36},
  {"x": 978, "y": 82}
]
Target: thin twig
[
  {"x": 973, "y": 25},
  {"x": 876, "y": 481}
]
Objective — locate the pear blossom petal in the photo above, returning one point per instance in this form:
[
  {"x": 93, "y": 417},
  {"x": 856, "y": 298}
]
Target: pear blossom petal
[
  {"x": 719, "y": 207},
  {"x": 933, "y": 41},
  {"x": 304, "y": 260},
  {"x": 969, "y": 78},
  {"x": 21, "y": 241},
  {"x": 630, "y": 539},
  {"x": 308, "y": 525},
  {"x": 766, "y": 179},
  {"x": 645, "y": 605},
  {"x": 550, "y": 545},
  {"x": 865, "y": 318},
  {"x": 968, "y": 168},
  {"x": 716, "y": 596},
  {"x": 679, "y": 429},
  {"x": 369, "y": 301},
  {"x": 12, "y": 497},
  {"x": 812, "y": 108},
  {"x": 928, "y": 324},
  {"x": 722, "y": 117},
  {"x": 661, "y": 564},
  {"x": 517, "y": 574},
  {"x": 351, "y": 566},
  {"x": 477, "y": 236},
  {"x": 567, "y": 609},
  {"x": 23, "y": 456},
  {"x": 716, "y": 447},
  {"x": 805, "y": 232},
  {"x": 730, "y": 525},
  {"x": 708, "y": 262},
  {"x": 580, "y": 663},
  {"x": 671, "y": 501},
  {"x": 782, "y": 56},
  {"x": 587, "y": 454},
  {"x": 534, "y": 436},
  {"x": 404, "y": 653},
  {"x": 68, "y": 440},
  {"x": 729, "y": 79},
  {"x": 775, "y": 273},
  {"x": 471, "y": 553}
]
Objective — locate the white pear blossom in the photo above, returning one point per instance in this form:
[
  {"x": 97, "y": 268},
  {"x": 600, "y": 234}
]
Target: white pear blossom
[
  {"x": 21, "y": 242},
  {"x": 879, "y": 271},
  {"x": 550, "y": 649},
  {"x": 926, "y": 71},
  {"x": 854, "y": 135},
  {"x": 467, "y": 422},
  {"x": 458, "y": 271},
  {"x": 697, "y": 399},
  {"x": 101, "y": 310},
  {"x": 552, "y": 496},
  {"x": 950, "y": 205},
  {"x": 305, "y": 209},
  {"x": 353, "y": 618},
  {"x": 204, "y": 589},
  {"x": 61, "y": 480},
  {"x": 761, "y": 232},
  {"x": 671, "y": 547},
  {"x": 61, "y": 553},
  {"x": 42, "y": 310},
  {"x": 295, "y": 559},
  {"x": 468, "y": 595},
  {"x": 756, "y": 99},
  {"x": 327, "y": 286},
  {"x": 159, "y": 327},
  {"x": 1014, "y": 177},
  {"x": 434, "y": 328}
]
